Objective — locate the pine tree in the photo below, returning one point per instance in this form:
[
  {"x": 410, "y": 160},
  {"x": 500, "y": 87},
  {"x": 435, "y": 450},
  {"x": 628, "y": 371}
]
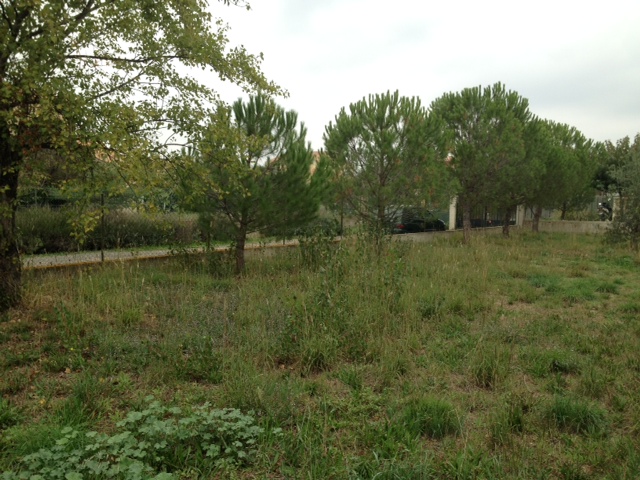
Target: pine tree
[
  {"x": 255, "y": 167},
  {"x": 384, "y": 154},
  {"x": 567, "y": 161},
  {"x": 484, "y": 128}
]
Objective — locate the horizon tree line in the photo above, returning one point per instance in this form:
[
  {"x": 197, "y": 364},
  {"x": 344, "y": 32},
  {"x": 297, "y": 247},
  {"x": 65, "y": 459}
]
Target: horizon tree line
[{"x": 84, "y": 81}]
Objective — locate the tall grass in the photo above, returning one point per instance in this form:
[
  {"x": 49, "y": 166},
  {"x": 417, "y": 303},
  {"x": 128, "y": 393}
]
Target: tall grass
[{"x": 377, "y": 360}]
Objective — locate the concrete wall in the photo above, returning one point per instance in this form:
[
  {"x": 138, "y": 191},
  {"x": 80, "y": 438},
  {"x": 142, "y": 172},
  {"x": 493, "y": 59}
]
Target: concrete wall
[
  {"x": 569, "y": 226},
  {"x": 561, "y": 226}
]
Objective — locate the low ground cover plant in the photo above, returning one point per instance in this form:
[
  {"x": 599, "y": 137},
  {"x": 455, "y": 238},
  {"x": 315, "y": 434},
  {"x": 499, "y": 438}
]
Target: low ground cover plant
[
  {"x": 151, "y": 443},
  {"x": 507, "y": 358}
]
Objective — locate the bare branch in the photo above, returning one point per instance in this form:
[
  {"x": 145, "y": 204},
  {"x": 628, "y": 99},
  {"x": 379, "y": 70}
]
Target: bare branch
[
  {"x": 116, "y": 87},
  {"x": 108, "y": 58}
]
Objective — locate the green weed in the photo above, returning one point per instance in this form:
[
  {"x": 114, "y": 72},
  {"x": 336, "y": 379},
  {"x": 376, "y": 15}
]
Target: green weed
[
  {"x": 608, "y": 287},
  {"x": 579, "y": 291},
  {"x": 86, "y": 402},
  {"x": 318, "y": 354},
  {"x": 551, "y": 283},
  {"x": 432, "y": 306},
  {"x": 469, "y": 464},
  {"x": 630, "y": 309},
  {"x": 18, "y": 359},
  {"x": 156, "y": 440}
]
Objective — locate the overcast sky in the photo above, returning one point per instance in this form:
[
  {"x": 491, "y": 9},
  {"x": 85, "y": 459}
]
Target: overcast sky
[{"x": 577, "y": 62}]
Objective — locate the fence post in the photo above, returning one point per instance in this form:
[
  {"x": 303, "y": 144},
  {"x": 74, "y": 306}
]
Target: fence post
[{"x": 452, "y": 213}]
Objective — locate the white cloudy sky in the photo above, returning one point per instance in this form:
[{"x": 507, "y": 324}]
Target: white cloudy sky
[{"x": 578, "y": 62}]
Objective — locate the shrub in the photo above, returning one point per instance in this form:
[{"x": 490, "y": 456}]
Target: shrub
[
  {"x": 317, "y": 242},
  {"x": 215, "y": 228},
  {"x": 153, "y": 443},
  {"x": 46, "y": 230},
  {"x": 128, "y": 229}
]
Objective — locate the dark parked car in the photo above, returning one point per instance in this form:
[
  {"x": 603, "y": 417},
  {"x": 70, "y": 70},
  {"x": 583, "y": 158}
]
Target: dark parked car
[{"x": 413, "y": 220}]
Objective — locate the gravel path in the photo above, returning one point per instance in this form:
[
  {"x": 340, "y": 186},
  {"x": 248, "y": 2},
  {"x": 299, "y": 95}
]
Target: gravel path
[
  {"x": 87, "y": 258},
  {"x": 91, "y": 258}
]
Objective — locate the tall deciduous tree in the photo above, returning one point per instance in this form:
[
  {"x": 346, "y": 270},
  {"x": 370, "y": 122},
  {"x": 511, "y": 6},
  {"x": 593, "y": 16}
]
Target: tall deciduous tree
[
  {"x": 101, "y": 77},
  {"x": 485, "y": 130},
  {"x": 385, "y": 156},
  {"x": 255, "y": 167}
]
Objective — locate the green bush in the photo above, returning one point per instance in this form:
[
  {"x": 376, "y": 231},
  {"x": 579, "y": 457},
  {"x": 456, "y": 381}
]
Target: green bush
[
  {"x": 47, "y": 230},
  {"x": 215, "y": 228},
  {"x": 126, "y": 229},
  {"x": 154, "y": 443},
  {"x": 625, "y": 226},
  {"x": 316, "y": 243}
]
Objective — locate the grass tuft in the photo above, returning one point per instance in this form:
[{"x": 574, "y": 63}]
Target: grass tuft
[
  {"x": 490, "y": 365},
  {"x": 430, "y": 417},
  {"x": 10, "y": 415},
  {"x": 507, "y": 420},
  {"x": 577, "y": 416}
]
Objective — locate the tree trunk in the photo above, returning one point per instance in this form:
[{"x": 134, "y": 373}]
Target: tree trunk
[
  {"x": 382, "y": 215},
  {"x": 563, "y": 211},
  {"x": 241, "y": 239},
  {"x": 619, "y": 211},
  {"x": 10, "y": 267},
  {"x": 535, "y": 223},
  {"x": 466, "y": 222},
  {"x": 506, "y": 223}
]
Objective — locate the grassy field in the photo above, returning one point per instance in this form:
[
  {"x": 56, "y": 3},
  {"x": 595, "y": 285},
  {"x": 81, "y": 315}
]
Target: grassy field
[{"x": 509, "y": 358}]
